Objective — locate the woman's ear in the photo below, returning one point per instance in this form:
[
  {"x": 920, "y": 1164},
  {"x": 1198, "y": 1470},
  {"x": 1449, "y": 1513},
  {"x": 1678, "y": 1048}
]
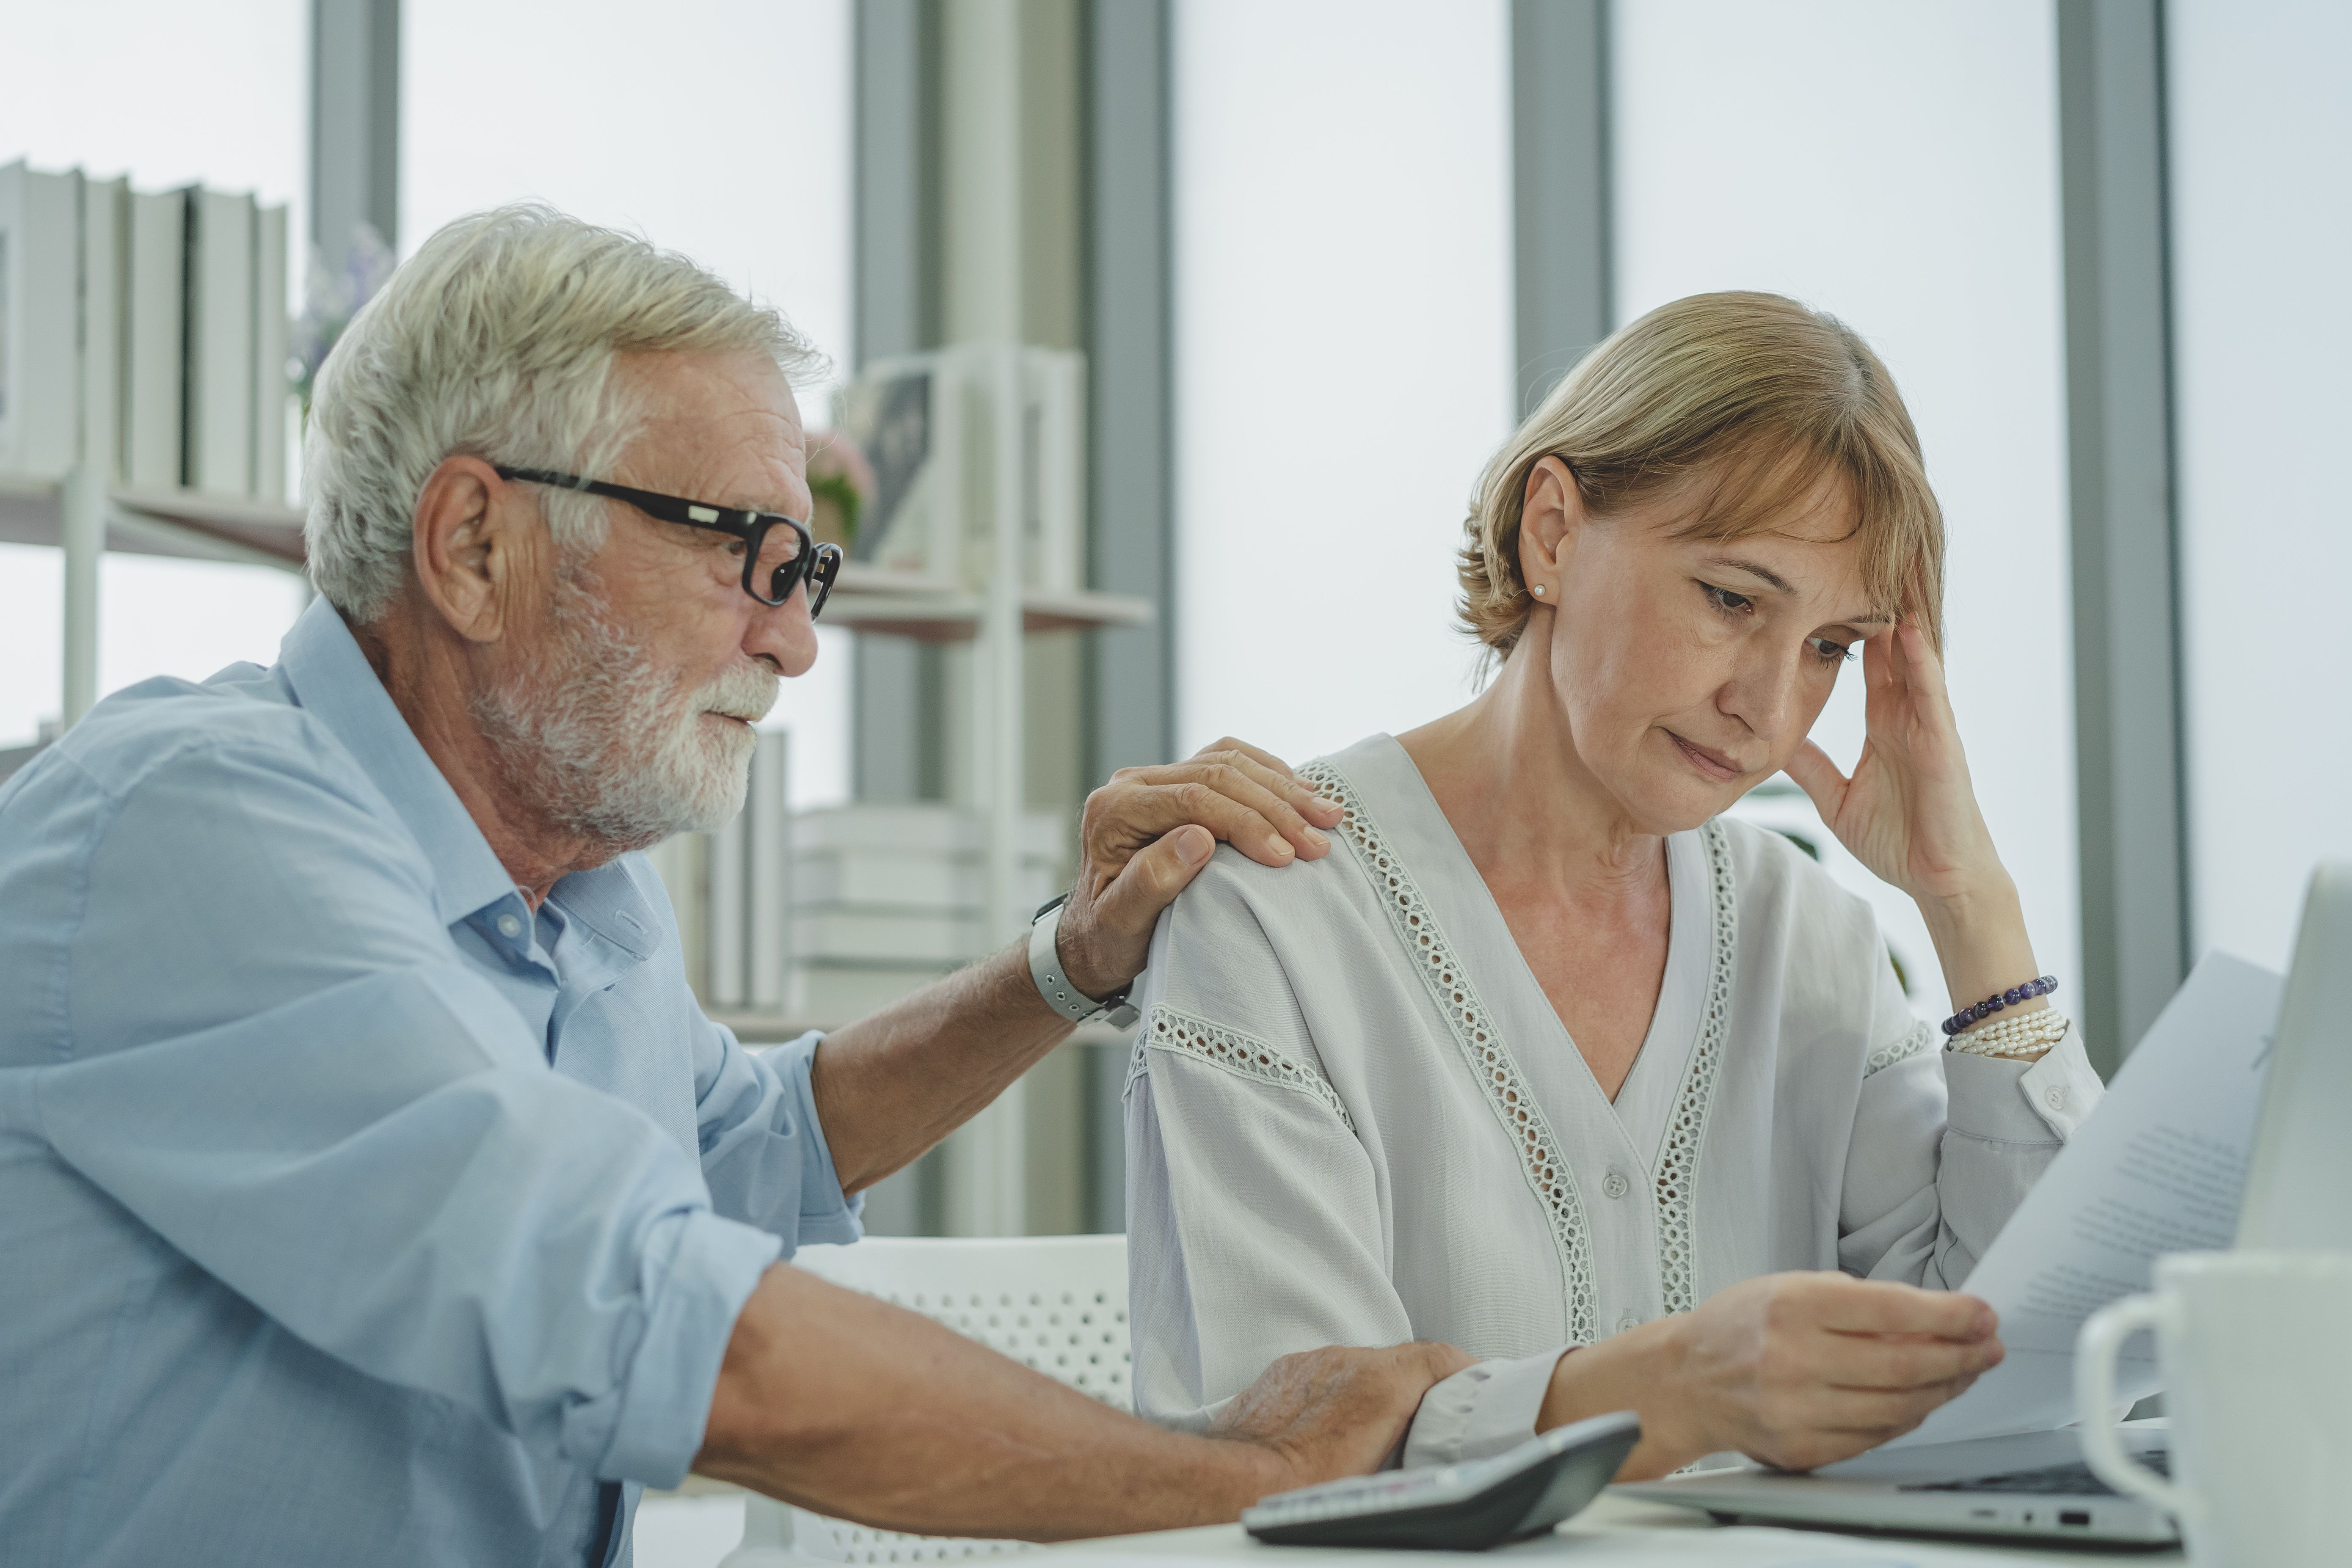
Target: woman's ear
[{"x": 1551, "y": 517}]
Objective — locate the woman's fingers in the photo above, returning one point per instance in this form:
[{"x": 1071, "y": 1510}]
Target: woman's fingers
[
  {"x": 1819, "y": 778},
  {"x": 1901, "y": 1362},
  {"x": 1921, "y": 668},
  {"x": 1879, "y": 676},
  {"x": 1875, "y": 1411},
  {"x": 1882, "y": 1307}
]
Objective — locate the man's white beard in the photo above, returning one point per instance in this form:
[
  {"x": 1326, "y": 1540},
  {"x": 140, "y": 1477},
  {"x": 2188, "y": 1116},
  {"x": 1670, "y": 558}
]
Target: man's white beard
[{"x": 605, "y": 744}]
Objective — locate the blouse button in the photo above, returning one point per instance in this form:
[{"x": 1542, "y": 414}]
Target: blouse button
[
  {"x": 2054, "y": 1096},
  {"x": 1614, "y": 1184},
  {"x": 509, "y": 926},
  {"x": 1628, "y": 1323}
]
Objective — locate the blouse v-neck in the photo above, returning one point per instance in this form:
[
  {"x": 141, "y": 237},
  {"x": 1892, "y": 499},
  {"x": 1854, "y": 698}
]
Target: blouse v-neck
[{"x": 1556, "y": 1070}]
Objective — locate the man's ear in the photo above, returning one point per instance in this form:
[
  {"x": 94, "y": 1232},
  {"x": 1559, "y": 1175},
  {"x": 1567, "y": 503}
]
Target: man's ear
[
  {"x": 475, "y": 540},
  {"x": 1551, "y": 517}
]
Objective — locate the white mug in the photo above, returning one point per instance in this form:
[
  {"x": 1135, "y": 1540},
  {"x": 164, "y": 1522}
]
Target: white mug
[{"x": 2256, "y": 1349}]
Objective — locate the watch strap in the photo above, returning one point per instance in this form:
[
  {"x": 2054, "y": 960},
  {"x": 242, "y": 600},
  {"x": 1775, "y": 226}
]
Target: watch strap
[{"x": 1053, "y": 983}]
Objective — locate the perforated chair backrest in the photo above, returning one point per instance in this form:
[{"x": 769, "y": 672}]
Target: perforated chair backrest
[{"x": 1056, "y": 1304}]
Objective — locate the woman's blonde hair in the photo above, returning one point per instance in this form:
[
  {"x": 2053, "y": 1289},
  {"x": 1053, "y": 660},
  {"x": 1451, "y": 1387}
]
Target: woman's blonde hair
[{"x": 1737, "y": 408}]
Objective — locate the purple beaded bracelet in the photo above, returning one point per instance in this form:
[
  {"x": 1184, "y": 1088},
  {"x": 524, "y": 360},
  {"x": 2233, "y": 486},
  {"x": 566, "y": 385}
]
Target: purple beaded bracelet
[{"x": 1994, "y": 1004}]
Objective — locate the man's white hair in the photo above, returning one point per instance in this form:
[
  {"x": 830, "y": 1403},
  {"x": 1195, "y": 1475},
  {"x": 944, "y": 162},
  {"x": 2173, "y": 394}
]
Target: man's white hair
[{"x": 497, "y": 340}]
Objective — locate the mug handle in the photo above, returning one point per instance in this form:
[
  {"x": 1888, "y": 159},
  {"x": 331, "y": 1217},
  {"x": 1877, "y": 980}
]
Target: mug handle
[{"x": 2095, "y": 1400}]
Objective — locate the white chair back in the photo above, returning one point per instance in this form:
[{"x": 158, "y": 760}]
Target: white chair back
[{"x": 1056, "y": 1304}]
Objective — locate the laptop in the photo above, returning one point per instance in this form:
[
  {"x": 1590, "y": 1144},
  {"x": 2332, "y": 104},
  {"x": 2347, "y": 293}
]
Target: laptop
[{"x": 2035, "y": 1485}]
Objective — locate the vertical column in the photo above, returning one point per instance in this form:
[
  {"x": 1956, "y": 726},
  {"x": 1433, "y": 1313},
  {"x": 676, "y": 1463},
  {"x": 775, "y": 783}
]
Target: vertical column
[
  {"x": 1131, "y": 672},
  {"x": 2120, "y": 479},
  {"x": 1560, "y": 174},
  {"x": 1009, "y": 275},
  {"x": 354, "y": 123},
  {"x": 897, "y": 683},
  {"x": 1131, "y": 685}
]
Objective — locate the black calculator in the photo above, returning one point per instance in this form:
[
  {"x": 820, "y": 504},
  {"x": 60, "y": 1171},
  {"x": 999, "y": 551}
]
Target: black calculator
[{"x": 1460, "y": 1508}]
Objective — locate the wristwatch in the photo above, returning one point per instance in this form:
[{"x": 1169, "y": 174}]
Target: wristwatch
[{"x": 1053, "y": 985}]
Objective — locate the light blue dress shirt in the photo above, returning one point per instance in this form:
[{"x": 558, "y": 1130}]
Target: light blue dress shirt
[{"x": 350, "y": 1212}]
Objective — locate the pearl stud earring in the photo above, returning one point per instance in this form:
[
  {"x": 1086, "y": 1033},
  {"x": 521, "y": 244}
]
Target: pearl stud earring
[{"x": 1539, "y": 590}]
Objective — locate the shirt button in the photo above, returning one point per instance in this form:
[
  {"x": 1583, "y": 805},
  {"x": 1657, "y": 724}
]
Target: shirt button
[
  {"x": 2055, "y": 1098},
  {"x": 1614, "y": 1184},
  {"x": 509, "y": 926},
  {"x": 1628, "y": 1323}
]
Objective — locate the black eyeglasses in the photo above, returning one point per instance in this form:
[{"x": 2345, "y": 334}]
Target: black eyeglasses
[{"x": 776, "y": 549}]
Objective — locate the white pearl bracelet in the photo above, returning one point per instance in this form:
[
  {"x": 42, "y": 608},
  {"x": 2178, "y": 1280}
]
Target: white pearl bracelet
[{"x": 2019, "y": 1034}]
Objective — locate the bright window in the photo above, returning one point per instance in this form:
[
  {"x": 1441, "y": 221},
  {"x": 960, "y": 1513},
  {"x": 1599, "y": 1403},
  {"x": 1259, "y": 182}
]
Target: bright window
[
  {"x": 2261, "y": 220},
  {"x": 1896, "y": 165},
  {"x": 1343, "y": 353}
]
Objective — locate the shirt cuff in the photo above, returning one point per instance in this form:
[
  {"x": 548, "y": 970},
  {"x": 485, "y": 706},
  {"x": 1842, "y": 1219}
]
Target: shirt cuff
[
  {"x": 2062, "y": 1088},
  {"x": 2008, "y": 1102},
  {"x": 664, "y": 1404},
  {"x": 1480, "y": 1411},
  {"x": 827, "y": 1214}
]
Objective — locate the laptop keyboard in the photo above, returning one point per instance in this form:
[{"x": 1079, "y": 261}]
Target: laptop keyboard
[{"x": 2054, "y": 1480}]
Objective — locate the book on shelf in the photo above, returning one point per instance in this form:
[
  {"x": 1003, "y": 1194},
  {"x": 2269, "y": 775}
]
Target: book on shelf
[
  {"x": 220, "y": 300},
  {"x": 105, "y": 263},
  {"x": 40, "y": 274},
  {"x": 270, "y": 388},
  {"x": 154, "y": 295},
  {"x": 938, "y": 427}
]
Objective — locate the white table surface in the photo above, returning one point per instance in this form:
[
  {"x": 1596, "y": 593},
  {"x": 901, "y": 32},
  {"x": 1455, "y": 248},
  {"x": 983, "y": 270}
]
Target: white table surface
[{"x": 1612, "y": 1530}]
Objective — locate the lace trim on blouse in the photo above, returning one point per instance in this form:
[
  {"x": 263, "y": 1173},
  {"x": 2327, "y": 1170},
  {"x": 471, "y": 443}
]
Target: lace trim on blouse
[
  {"x": 1482, "y": 1048},
  {"x": 1920, "y": 1037},
  {"x": 1166, "y": 1030},
  {"x": 1677, "y": 1180}
]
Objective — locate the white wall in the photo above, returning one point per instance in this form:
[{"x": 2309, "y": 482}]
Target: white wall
[
  {"x": 717, "y": 128},
  {"x": 1897, "y": 166},
  {"x": 2262, "y": 224},
  {"x": 1343, "y": 353},
  {"x": 169, "y": 94}
]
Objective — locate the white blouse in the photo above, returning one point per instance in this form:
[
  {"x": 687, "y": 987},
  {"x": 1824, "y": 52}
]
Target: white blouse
[{"x": 1354, "y": 1118}]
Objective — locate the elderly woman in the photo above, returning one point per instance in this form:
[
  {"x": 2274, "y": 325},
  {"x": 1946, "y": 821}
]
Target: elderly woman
[{"x": 1555, "y": 1058}]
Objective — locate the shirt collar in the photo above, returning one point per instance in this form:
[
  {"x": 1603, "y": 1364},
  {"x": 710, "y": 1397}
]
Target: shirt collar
[{"x": 332, "y": 679}]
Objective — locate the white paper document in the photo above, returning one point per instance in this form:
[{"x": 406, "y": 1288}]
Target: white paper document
[{"x": 2157, "y": 1168}]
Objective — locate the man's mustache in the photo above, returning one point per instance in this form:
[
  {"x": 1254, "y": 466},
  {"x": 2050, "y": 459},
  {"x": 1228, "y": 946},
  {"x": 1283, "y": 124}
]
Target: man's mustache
[{"x": 745, "y": 692}]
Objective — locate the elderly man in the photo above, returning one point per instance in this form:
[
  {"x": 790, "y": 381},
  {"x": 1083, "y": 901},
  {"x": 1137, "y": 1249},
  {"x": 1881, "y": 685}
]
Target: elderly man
[{"x": 371, "y": 1189}]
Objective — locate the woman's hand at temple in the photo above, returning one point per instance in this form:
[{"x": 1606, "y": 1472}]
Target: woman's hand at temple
[
  {"x": 1796, "y": 1370},
  {"x": 1909, "y": 814}
]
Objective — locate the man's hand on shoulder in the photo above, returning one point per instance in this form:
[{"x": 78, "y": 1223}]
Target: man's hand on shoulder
[{"x": 1149, "y": 831}]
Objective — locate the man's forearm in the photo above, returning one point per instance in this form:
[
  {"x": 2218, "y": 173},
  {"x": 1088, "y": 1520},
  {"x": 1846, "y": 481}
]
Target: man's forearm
[
  {"x": 892, "y": 1085},
  {"x": 865, "y": 1411}
]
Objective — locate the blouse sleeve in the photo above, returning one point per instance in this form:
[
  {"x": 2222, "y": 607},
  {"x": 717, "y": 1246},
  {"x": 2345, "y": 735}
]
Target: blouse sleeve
[
  {"x": 1257, "y": 1225},
  {"x": 1946, "y": 1145}
]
